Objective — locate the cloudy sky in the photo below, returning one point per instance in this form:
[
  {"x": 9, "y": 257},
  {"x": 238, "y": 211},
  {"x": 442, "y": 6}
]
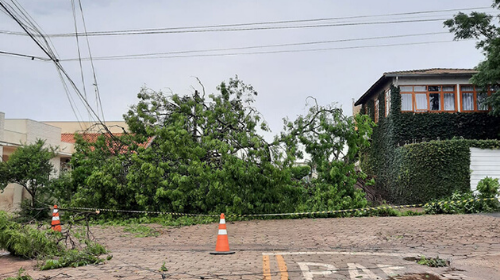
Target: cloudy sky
[{"x": 307, "y": 62}]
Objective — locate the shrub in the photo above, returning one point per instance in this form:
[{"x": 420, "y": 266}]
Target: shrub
[
  {"x": 461, "y": 203},
  {"x": 488, "y": 187}
]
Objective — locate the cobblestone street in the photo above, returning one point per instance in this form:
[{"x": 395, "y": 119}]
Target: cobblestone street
[{"x": 348, "y": 248}]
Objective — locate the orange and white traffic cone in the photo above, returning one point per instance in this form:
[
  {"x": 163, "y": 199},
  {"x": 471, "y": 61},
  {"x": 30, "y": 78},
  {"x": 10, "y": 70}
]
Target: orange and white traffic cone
[
  {"x": 56, "y": 223},
  {"x": 222, "y": 245}
]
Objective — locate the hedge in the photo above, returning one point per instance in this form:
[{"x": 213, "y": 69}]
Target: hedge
[
  {"x": 409, "y": 173},
  {"x": 432, "y": 170}
]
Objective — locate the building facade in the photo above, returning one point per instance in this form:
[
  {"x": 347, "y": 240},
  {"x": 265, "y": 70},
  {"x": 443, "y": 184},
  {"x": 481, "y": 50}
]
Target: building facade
[{"x": 17, "y": 132}]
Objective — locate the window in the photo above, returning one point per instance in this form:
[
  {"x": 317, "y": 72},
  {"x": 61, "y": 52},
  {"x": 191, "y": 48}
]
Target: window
[
  {"x": 376, "y": 110},
  {"x": 387, "y": 102},
  {"x": 406, "y": 102},
  {"x": 436, "y": 98},
  {"x": 473, "y": 98}
]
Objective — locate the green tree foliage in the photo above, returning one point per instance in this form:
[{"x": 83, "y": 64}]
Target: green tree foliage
[
  {"x": 482, "y": 27},
  {"x": 300, "y": 172},
  {"x": 30, "y": 167},
  {"x": 205, "y": 154},
  {"x": 333, "y": 142}
]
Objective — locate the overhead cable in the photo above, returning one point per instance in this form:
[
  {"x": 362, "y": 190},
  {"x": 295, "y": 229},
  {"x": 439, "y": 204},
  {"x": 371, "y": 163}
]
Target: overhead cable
[
  {"x": 155, "y": 55},
  {"x": 231, "y": 27}
]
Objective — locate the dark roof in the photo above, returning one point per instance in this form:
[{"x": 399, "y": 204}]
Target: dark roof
[{"x": 432, "y": 72}]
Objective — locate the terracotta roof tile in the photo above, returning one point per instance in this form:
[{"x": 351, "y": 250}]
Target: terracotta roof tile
[{"x": 92, "y": 137}]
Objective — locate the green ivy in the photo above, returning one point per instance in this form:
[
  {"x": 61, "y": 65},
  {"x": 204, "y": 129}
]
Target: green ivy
[{"x": 432, "y": 169}]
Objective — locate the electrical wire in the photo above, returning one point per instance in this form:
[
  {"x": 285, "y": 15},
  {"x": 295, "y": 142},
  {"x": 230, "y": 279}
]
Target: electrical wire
[
  {"x": 154, "y": 55},
  {"x": 32, "y": 57},
  {"x": 166, "y": 55},
  {"x": 284, "y": 51},
  {"x": 78, "y": 48},
  {"x": 30, "y": 27},
  {"x": 231, "y": 27},
  {"x": 96, "y": 85},
  {"x": 119, "y": 33}
]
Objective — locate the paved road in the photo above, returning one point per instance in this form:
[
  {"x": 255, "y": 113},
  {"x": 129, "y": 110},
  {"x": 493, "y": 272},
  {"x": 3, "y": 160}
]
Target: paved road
[{"x": 348, "y": 248}]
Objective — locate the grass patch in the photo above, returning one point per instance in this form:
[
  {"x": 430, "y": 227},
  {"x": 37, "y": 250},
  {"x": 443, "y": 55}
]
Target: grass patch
[{"x": 432, "y": 262}]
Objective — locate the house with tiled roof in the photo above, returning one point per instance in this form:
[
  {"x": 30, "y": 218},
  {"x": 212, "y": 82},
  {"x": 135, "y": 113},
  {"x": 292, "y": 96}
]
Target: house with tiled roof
[
  {"x": 428, "y": 91},
  {"x": 418, "y": 106}
]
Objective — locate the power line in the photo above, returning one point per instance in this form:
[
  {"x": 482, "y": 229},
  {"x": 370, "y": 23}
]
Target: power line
[
  {"x": 296, "y": 51},
  {"x": 78, "y": 47},
  {"x": 119, "y": 33},
  {"x": 230, "y": 27},
  {"x": 32, "y": 57},
  {"x": 30, "y": 25},
  {"x": 47, "y": 50},
  {"x": 154, "y": 55},
  {"x": 271, "y": 52},
  {"x": 97, "y": 93}
]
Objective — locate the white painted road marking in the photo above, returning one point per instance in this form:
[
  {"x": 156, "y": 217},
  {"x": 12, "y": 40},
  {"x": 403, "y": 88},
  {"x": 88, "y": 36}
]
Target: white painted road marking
[
  {"x": 356, "y": 271},
  {"x": 309, "y": 274},
  {"x": 365, "y": 273},
  {"x": 390, "y": 270}
]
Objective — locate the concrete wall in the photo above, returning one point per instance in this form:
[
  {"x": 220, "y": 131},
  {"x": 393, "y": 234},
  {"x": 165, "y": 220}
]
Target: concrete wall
[
  {"x": 14, "y": 138},
  {"x": 10, "y": 199},
  {"x": 32, "y": 130},
  {"x": 36, "y": 130}
]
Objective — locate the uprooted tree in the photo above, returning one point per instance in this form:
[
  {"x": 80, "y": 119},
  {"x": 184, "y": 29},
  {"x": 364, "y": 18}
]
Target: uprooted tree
[
  {"x": 333, "y": 142},
  {"x": 203, "y": 153}
]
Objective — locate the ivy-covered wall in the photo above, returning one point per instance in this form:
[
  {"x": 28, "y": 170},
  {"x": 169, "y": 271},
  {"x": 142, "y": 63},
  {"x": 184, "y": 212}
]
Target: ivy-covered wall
[
  {"x": 424, "y": 171},
  {"x": 416, "y": 173}
]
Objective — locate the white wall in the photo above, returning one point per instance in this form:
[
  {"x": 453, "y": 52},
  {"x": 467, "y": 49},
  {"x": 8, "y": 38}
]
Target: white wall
[
  {"x": 415, "y": 81},
  {"x": 483, "y": 163}
]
